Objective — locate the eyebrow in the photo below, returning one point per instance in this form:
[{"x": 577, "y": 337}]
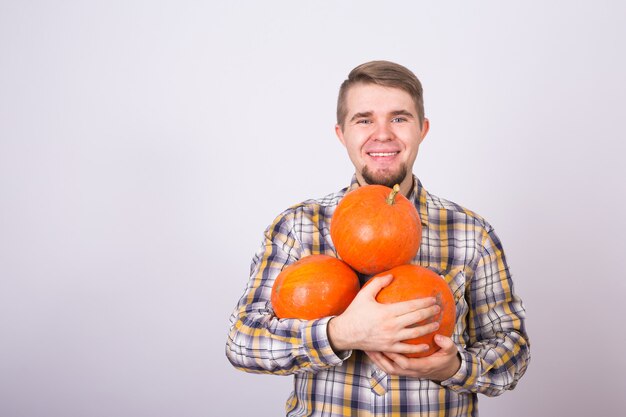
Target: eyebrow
[
  {"x": 402, "y": 113},
  {"x": 392, "y": 113},
  {"x": 360, "y": 114}
]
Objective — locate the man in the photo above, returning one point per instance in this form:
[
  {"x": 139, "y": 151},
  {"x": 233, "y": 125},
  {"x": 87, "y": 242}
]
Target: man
[{"x": 353, "y": 364}]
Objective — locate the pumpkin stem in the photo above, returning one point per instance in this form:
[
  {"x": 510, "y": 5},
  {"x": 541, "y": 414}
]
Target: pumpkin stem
[{"x": 392, "y": 196}]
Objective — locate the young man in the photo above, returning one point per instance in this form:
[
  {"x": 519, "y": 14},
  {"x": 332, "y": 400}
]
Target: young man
[{"x": 353, "y": 364}]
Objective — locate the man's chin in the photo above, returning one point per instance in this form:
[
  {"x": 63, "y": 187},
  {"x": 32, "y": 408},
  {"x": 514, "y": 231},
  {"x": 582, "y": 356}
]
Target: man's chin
[{"x": 383, "y": 178}]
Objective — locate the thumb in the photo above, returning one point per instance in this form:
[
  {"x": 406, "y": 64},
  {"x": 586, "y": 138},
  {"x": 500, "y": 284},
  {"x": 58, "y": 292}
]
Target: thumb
[
  {"x": 445, "y": 343},
  {"x": 374, "y": 285}
]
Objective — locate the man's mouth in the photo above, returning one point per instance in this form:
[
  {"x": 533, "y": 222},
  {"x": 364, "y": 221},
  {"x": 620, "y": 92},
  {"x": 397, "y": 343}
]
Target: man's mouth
[{"x": 382, "y": 154}]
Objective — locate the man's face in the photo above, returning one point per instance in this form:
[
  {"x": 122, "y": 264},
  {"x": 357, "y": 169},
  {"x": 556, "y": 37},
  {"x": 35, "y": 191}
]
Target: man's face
[{"x": 382, "y": 134}]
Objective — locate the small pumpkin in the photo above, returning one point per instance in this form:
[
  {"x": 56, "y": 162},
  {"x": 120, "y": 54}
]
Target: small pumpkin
[
  {"x": 313, "y": 287},
  {"x": 374, "y": 228},
  {"x": 411, "y": 282}
]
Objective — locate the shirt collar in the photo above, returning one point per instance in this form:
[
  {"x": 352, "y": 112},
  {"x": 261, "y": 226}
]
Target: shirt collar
[{"x": 418, "y": 196}]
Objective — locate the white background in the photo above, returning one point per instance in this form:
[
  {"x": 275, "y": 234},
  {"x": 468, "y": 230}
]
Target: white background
[{"x": 145, "y": 145}]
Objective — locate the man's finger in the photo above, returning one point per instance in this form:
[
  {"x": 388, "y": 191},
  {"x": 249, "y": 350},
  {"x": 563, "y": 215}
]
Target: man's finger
[
  {"x": 445, "y": 343},
  {"x": 420, "y": 310},
  {"x": 381, "y": 361},
  {"x": 376, "y": 284}
]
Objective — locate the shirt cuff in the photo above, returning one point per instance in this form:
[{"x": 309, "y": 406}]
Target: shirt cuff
[
  {"x": 464, "y": 378},
  {"x": 317, "y": 345}
]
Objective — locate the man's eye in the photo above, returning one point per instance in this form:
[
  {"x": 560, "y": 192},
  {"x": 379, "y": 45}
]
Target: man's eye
[
  {"x": 398, "y": 119},
  {"x": 363, "y": 122}
]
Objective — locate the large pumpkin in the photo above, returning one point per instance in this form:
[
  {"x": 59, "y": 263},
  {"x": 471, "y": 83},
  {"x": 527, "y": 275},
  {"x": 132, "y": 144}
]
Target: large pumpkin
[
  {"x": 313, "y": 287},
  {"x": 411, "y": 282},
  {"x": 374, "y": 228}
]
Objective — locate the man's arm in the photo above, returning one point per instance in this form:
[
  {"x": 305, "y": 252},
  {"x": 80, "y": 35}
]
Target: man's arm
[
  {"x": 258, "y": 341},
  {"x": 497, "y": 351}
]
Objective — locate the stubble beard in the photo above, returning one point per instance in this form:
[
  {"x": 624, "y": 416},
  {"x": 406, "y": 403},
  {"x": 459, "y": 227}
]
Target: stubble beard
[{"x": 386, "y": 178}]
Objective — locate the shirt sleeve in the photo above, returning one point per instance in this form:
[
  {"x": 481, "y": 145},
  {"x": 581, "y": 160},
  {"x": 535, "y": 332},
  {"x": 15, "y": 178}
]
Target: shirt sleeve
[
  {"x": 498, "y": 351},
  {"x": 258, "y": 341}
]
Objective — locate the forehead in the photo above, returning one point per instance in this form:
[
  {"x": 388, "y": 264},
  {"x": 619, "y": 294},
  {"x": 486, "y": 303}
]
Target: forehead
[{"x": 378, "y": 99}]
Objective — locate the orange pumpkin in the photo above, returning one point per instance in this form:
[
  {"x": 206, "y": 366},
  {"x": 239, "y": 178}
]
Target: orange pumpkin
[
  {"x": 313, "y": 287},
  {"x": 374, "y": 228},
  {"x": 411, "y": 282}
]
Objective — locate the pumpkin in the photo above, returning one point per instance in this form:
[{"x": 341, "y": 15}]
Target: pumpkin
[
  {"x": 374, "y": 228},
  {"x": 411, "y": 282},
  {"x": 313, "y": 287}
]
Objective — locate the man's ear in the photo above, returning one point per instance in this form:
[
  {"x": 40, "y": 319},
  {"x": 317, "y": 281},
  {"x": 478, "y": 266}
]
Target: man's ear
[
  {"x": 339, "y": 133},
  {"x": 424, "y": 129}
]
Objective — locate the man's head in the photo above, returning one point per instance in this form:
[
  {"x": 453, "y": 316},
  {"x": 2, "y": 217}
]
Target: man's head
[
  {"x": 386, "y": 74},
  {"x": 380, "y": 121}
]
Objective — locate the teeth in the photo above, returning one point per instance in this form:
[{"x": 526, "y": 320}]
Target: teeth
[{"x": 383, "y": 153}]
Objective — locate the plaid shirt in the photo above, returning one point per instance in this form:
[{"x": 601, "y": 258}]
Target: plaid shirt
[{"x": 457, "y": 244}]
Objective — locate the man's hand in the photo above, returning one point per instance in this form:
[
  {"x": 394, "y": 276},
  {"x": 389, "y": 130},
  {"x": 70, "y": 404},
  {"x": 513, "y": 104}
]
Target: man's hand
[
  {"x": 439, "y": 366},
  {"x": 371, "y": 326}
]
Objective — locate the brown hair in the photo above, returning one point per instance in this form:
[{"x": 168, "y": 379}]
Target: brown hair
[{"x": 386, "y": 74}]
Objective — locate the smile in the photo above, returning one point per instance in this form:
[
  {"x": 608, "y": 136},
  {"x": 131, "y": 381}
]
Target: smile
[{"x": 378, "y": 154}]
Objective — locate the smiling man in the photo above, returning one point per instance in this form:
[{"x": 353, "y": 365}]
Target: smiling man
[
  {"x": 354, "y": 363},
  {"x": 382, "y": 128}
]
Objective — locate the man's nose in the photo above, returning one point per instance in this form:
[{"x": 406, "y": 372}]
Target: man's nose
[{"x": 383, "y": 132}]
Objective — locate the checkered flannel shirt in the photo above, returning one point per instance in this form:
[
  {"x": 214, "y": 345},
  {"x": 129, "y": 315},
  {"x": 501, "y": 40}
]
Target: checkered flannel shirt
[{"x": 456, "y": 243}]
